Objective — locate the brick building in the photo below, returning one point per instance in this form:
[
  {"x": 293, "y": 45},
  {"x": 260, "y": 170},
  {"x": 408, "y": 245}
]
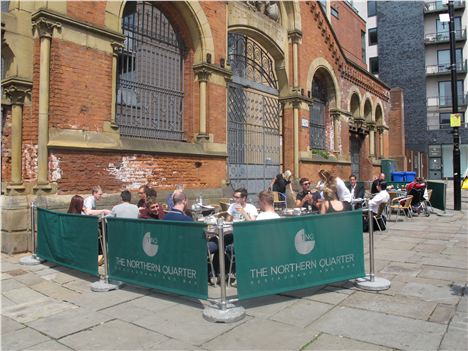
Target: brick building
[{"x": 215, "y": 95}]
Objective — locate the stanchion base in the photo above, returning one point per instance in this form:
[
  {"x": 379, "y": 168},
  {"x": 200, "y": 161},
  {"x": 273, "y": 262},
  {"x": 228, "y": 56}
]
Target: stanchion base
[
  {"x": 230, "y": 315},
  {"x": 102, "y": 286},
  {"x": 30, "y": 260},
  {"x": 377, "y": 285}
]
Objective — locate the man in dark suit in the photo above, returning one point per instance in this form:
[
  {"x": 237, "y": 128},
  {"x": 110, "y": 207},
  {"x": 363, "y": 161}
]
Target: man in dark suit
[{"x": 356, "y": 190}]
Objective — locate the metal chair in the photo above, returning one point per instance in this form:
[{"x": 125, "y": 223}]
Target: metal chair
[
  {"x": 277, "y": 201},
  {"x": 380, "y": 215},
  {"x": 427, "y": 206},
  {"x": 401, "y": 205},
  {"x": 224, "y": 206}
]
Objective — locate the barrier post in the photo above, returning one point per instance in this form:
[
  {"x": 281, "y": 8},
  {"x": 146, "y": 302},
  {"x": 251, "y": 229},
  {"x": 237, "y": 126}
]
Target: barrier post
[
  {"x": 371, "y": 282},
  {"x": 103, "y": 284},
  {"x": 32, "y": 260},
  {"x": 223, "y": 311}
]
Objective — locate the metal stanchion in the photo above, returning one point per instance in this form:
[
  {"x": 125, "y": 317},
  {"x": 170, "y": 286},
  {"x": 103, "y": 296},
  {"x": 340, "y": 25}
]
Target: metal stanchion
[
  {"x": 32, "y": 260},
  {"x": 223, "y": 311},
  {"x": 371, "y": 282},
  {"x": 103, "y": 284}
]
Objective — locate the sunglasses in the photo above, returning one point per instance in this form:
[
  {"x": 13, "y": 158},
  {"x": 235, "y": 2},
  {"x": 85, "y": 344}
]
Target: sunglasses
[{"x": 306, "y": 183}]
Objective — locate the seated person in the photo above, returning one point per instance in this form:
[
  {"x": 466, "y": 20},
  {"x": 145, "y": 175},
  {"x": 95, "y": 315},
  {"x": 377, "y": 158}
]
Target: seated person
[
  {"x": 152, "y": 209},
  {"x": 89, "y": 204},
  {"x": 125, "y": 209},
  {"x": 265, "y": 199},
  {"x": 331, "y": 204},
  {"x": 142, "y": 190},
  {"x": 381, "y": 177},
  {"x": 381, "y": 197},
  {"x": 357, "y": 190},
  {"x": 169, "y": 200},
  {"x": 241, "y": 207},
  {"x": 76, "y": 205},
  {"x": 177, "y": 213},
  {"x": 307, "y": 198}
]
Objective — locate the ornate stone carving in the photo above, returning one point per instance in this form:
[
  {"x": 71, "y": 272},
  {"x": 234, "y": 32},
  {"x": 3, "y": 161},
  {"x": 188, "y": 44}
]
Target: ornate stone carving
[
  {"x": 45, "y": 27},
  {"x": 16, "y": 92},
  {"x": 116, "y": 46},
  {"x": 267, "y": 8}
]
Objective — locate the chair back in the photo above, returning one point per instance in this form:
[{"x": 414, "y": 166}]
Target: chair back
[
  {"x": 224, "y": 206},
  {"x": 381, "y": 210},
  {"x": 276, "y": 197},
  {"x": 429, "y": 194},
  {"x": 408, "y": 200}
]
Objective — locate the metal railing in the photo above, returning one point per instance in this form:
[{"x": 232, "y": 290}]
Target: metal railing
[
  {"x": 440, "y": 6},
  {"x": 445, "y": 68},
  {"x": 440, "y": 37},
  {"x": 444, "y": 101}
]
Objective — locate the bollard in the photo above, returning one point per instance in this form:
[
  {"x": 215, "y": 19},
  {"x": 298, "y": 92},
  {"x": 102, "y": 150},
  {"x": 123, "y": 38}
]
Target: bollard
[
  {"x": 103, "y": 284},
  {"x": 371, "y": 282},
  {"x": 32, "y": 260},
  {"x": 222, "y": 311}
]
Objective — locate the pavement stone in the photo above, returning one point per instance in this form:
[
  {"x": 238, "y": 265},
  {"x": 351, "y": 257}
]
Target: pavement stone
[
  {"x": 301, "y": 313},
  {"x": 442, "y": 294},
  {"x": 442, "y": 273},
  {"x": 21, "y": 339},
  {"x": 402, "y": 268},
  {"x": 29, "y": 279},
  {"x": 9, "y": 325},
  {"x": 99, "y": 300},
  {"x": 337, "y": 343},
  {"x": 109, "y": 336},
  {"x": 36, "y": 309},
  {"x": 326, "y": 296},
  {"x": 10, "y": 284},
  {"x": 454, "y": 340},
  {"x": 23, "y": 295},
  {"x": 442, "y": 313},
  {"x": 68, "y": 322},
  {"x": 50, "y": 289},
  {"x": 267, "y": 306},
  {"x": 51, "y": 345},
  {"x": 382, "y": 329}
]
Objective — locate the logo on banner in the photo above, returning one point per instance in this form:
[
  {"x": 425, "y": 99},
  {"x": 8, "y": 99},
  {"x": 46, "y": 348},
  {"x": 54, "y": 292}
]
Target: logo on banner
[
  {"x": 150, "y": 245},
  {"x": 303, "y": 242}
]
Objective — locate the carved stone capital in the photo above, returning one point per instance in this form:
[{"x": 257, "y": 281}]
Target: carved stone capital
[
  {"x": 295, "y": 36},
  {"x": 45, "y": 27},
  {"x": 371, "y": 126},
  {"x": 116, "y": 46},
  {"x": 335, "y": 115},
  {"x": 16, "y": 90},
  {"x": 204, "y": 70}
]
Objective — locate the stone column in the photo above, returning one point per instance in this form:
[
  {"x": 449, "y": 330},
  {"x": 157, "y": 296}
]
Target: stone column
[
  {"x": 115, "y": 54},
  {"x": 380, "y": 130},
  {"x": 202, "y": 76},
  {"x": 45, "y": 29},
  {"x": 336, "y": 130},
  {"x": 295, "y": 37},
  {"x": 296, "y": 105},
  {"x": 372, "y": 140},
  {"x": 16, "y": 91}
]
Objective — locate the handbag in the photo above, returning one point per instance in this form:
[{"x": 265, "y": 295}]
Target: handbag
[{"x": 465, "y": 184}]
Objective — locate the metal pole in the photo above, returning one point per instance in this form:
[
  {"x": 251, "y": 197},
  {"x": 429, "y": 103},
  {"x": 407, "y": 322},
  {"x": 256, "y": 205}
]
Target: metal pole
[
  {"x": 104, "y": 248},
  {"x": 222, "y": 268},
  {"x": 456, "y": 136},
  {"x": 371, "y": 244},
  {"x": 33, "y": 229}
]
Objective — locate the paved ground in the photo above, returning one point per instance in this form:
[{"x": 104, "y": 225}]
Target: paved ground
[{"x": 48, "y": 307}]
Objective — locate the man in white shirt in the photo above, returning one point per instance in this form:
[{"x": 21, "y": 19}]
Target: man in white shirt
[
  {"x": 89, "y": 204},
  {"x": 125, "y": 209},
  {"x": 381, "y": 197},
  {"x": 265, "y": 199},
  {"x": 241, "y": 208}
]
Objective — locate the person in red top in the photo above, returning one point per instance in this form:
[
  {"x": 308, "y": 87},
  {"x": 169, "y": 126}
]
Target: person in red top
[
  {"x": 417, "y": 183},
  {"x": 153, "y": 209}
]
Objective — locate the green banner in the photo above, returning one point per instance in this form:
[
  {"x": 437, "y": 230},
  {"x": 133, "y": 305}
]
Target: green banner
[
  {"x": 439, "y": 190},
  {"x": 294, "y": 253},
  {"x": 68, "y": 239},
  {"x": 166, "y": 255}
]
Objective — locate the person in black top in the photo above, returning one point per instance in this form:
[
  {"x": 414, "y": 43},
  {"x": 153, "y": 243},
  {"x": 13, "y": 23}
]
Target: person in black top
[
  {"x": 380, "y": 178},
  {"x": 306, "y": 198},
  {"x": 280, "y": 182}
]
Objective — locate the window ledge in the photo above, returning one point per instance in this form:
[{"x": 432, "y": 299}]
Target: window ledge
[{"x": 307, "y": 156}]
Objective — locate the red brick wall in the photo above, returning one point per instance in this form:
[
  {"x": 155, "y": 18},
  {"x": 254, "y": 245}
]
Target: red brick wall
[
  {"x": 78, "y": 171},
  {"x": 348, "y": 29},
  {"x": 311, "y": 170},
  {"x": 87, "y": 11}
]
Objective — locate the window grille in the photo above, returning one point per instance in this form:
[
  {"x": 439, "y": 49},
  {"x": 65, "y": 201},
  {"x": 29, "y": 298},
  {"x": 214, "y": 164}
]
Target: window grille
[
  {"x": 150, "y": 75},
  {"x": 317, "y": 115}
]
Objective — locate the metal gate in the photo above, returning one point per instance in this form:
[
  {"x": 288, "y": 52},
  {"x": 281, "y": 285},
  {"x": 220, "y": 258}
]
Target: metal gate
[
  {"x": 355, "y": 148},
  {"x": 254, "y": 120}
]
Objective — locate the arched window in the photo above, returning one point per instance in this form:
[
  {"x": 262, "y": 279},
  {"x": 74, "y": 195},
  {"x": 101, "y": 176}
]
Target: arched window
[
  {"x": 150, "y": 79},
  {"x": 317, "y": 114}
]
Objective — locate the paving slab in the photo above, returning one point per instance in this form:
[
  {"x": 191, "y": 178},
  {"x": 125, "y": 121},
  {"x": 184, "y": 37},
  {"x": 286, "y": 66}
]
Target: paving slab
[
  {"x": 454, "y": 340},
  {"x": 110, "y": 336},
  {"x": 99, "y": 300},
  {"x": 21, "y": 339},
  {"x": 68, "y": 322},
  {"x": 443, "y": 273},
  {"x": 9, "y": 325},
  {"x": 340, "y": 343},
  {"x": 393, "y": 255},
  {"x": 8, "y": 266},
  {"x": 6, "y": 302},
  {"x": 186, "y": 324},
  {"x": 301, "y": 313},
  {"x": 266, "y": 306},
  {"x": 457, "y": 251},
  {"x": 262, "y": 334},
  {"x": 36, "y": 309},
  {"x": 402, "y": 268},
  {"x": 55, "y": 291},
  {"x": 29, "y": 279},
  {"x": 424, "y": 247},
  {"x": 382, "y": 329},
  {"x": 395, "y": 245},
  {"x": 443, "y": 313},
  {"x": 23, "y": 295},
  {"x": 173, "y": 344},
  {"x": 51, "y": 345},
  {"x": 330, "y": 297},
  {"x": 10, "y": 284},
  {"x": 429, "y": 292},
  {"x": 397, "y": 305}
]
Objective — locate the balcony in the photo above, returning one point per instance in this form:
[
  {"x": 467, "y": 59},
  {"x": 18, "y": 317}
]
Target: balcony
[
  {"x": 439, "y": 6},
  {"x": 444, "y": 37},
  {"x": 444, "y": 69},
  {"x": 437, "y": 102}
]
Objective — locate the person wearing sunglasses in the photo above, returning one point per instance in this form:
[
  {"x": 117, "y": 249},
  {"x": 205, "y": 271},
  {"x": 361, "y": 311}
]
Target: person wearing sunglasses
[
  {"x": 306, "y": 198},
  {"x": 240, "y": 208}
]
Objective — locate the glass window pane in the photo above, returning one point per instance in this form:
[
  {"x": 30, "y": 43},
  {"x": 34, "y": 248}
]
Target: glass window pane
[
  {"x": 371, "y": 8},
  {"x": 372, "y": 36}
]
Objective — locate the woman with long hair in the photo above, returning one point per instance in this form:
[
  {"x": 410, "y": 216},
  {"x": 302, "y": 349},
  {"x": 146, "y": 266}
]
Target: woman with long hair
[
  {"x": 331, "y": 204},
  {"x": 76, "y": 205}
]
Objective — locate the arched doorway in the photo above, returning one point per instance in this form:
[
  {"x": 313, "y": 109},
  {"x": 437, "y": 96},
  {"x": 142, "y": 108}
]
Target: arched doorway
[
  {"x": 355, "y": 138},
  {"x": 254, "y": 120}
]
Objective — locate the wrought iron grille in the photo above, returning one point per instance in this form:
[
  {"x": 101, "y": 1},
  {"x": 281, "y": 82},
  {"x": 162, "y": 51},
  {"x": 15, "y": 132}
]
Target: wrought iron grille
[
  {"x": 250, "y": 61},
  {"x": 150, "y": 79},
  {"x": 317, "y": 115}
]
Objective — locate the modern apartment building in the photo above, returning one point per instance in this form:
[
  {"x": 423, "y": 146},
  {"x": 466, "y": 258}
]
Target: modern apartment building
[{"x": 408, "y": 47}]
